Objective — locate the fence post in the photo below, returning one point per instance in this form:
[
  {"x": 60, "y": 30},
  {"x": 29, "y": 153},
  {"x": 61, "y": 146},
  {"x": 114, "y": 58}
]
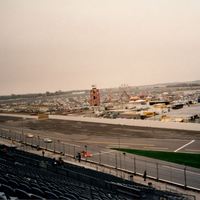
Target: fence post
[
  {"x": 157, "y": 172},
  {"x": 134, "y": 164},
  {"x": 54, "y": 146},
  {"x": 185, "y": 178},
  {"x": 69, "y": 145},
  {"x": 116, "y": 160},
  {"x": 9, "y": 134},
  {"x": 124, "y": 154},
  {"x": 86, "y": 148},
  {"x": 120, "y": 160},
  {"x": 15, "y": 136},
  {"x": 63, "y": 148},
  {"x": 74, "y": 152},
  {"x": 100, "y": 157}
]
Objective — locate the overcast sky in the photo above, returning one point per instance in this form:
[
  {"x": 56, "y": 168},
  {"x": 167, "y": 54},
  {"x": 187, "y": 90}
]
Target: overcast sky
[{"x": 49, "y": 45}]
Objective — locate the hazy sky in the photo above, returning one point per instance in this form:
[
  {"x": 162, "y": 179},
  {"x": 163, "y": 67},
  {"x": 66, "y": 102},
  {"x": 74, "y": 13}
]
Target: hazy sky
[{"x": 72, "y": 44}]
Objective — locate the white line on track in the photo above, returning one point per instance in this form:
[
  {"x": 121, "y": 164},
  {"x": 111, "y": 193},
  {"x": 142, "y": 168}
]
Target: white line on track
[{"x": 184, "y": 145}]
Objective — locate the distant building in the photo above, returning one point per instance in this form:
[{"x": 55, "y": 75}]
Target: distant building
[{"x": 94, "y": 96}]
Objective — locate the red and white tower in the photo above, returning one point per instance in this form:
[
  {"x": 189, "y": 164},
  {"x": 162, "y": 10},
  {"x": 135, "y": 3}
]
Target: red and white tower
[{"x": 94, "y": 96}]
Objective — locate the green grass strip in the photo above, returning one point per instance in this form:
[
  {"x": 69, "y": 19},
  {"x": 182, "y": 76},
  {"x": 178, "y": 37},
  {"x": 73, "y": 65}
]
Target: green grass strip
[{"x": 188, "y": 159}]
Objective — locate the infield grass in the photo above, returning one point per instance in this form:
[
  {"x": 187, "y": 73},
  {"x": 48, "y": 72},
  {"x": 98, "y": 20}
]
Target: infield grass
[{"x": 188, "y": 159}]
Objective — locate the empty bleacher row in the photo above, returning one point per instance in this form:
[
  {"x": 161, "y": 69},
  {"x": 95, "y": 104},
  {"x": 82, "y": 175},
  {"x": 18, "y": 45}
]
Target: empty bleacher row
[{"x": 29, "y": 176}]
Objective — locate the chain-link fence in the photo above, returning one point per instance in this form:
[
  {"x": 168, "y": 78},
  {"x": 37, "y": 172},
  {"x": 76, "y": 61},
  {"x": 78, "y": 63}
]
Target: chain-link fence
[{"x": 117, "y": 162}]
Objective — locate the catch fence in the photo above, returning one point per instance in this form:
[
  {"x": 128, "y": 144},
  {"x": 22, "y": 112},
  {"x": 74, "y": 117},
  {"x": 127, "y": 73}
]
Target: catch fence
[{"x": 119, "y": 163}]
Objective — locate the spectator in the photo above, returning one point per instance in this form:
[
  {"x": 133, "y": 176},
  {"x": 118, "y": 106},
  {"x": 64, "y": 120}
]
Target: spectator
[
  {"x": 60, "y": 161},
  {"x": 79, "y": 157},
  {"x": 145, "y": 175},
  {"x": 54, "y": 162}
]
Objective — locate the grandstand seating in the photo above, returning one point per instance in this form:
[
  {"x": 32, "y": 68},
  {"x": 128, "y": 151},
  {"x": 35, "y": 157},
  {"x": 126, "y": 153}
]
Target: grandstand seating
[{"x": 29, "y": 176}]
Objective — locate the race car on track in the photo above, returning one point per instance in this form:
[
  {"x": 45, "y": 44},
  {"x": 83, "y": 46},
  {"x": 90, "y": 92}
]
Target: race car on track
[{"x": 86, "y": 154}]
